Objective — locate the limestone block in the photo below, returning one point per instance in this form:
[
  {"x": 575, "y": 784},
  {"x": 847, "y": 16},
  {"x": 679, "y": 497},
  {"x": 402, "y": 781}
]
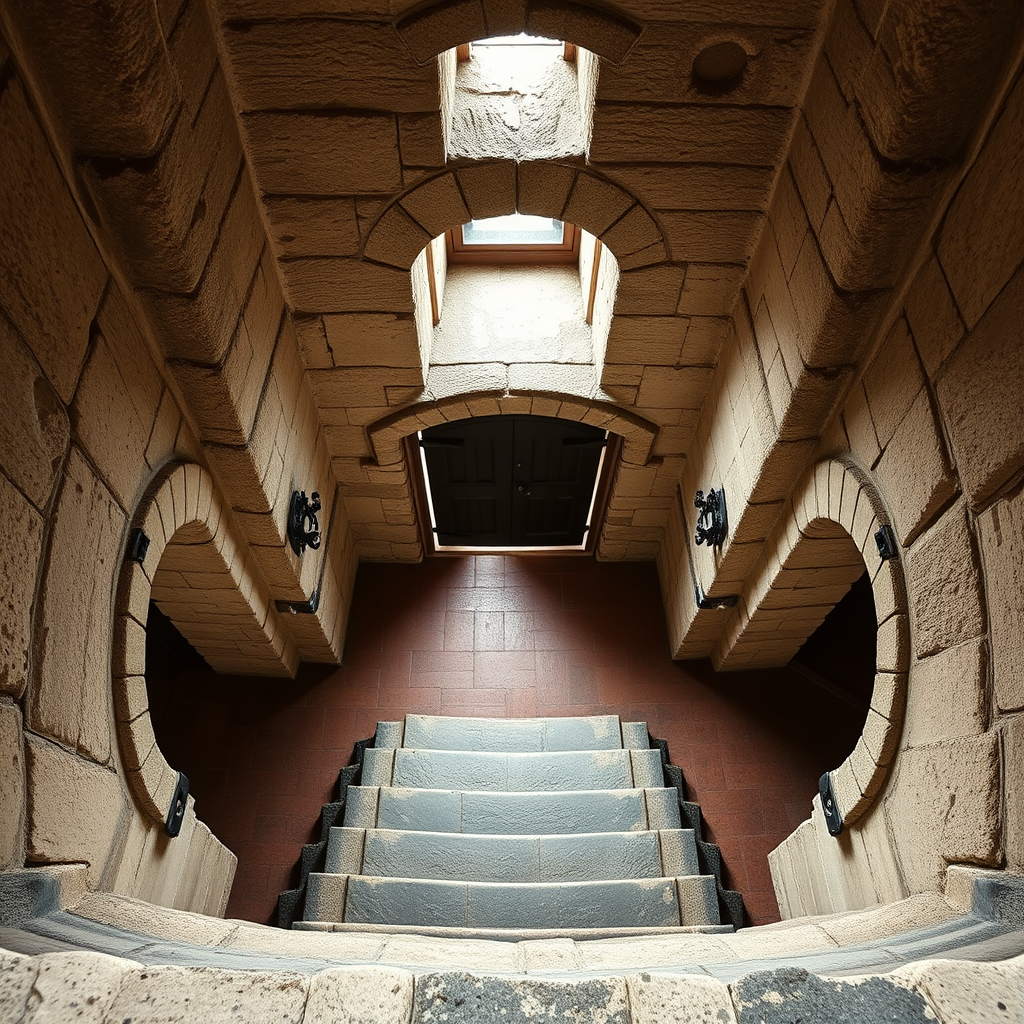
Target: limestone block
[
  {"x": 610, "y": 35},
  {"x": 335, "y": 285},
  {"x": 943, "y": 805},
  {"x": 76, "y": 985},
  {"x": 70, "y": 699},
  {"x": 629, "y": 133},
  {"x": 437, "y": 205},
  {"x": 297, "y": 153},
  {"x": 312, "y": 226},
  {"x": 981, "y": 240},
  {"x": 301, "y": 63},
  {"x": 52, "y": 277},
  {"x": 108, "y": 422},
  {"x": 199, "y": 325},
  {"x": 12, "y": 787},
  {"x": 489, "y": 188},
  {"x": 696, "y": 186},
  {"x": 720, "y": 236},
  {"x": 396, "y": 239},
  {"x": 178, "y": 994},
  {"x": 945, "y": 585},
  {"x": 892, "y": 651},
  {"x": 19, "y": 560},
  {"x": 595, "y": 204},
  {"x": 649, "y": 290},
  {"x": 913, "y": 472},
  {"x": 421, "y": 140},
  {"x": 669, "y": 387},
  {"x": 544, "y": 188},
  {"x": 73, "y": 808},
  {"x": 34, "y": 430},
  {"x": 164, "y": 213},
  {"x": 933, "y": 317},
  {"x": 654, "y": 999},
  {"x": 893, "y": 381},
  {"x": 1013, "y": 783},
  {"x": 127, "y": 113},
  {"x": 648, "y": 339},
  {"x": 964, "y": 992},
  {"x": 946, "y": 695},
  {"x": 353, "y": 995},
  {"x": 635, "y": 233},
  {"x": 1002, "y": 529},
  {"x": 809, "y": 175},
  {"x": 710, "y": 289},
  {"x": 17, "y": 975},
  {"x": 979, "y": 394},
  {"x": 437, "y": 27}
]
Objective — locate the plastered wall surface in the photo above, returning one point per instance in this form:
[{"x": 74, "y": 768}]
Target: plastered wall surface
[{"x": 208, "y": 215}]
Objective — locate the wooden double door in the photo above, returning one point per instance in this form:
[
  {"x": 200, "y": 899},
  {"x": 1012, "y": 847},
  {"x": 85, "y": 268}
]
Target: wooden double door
[{"x": 512, "y": 481}]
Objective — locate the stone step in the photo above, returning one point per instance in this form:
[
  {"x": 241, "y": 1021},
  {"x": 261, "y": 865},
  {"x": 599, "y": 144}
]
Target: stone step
[
  {"x": 556, "y": 813},
  {"x": 593, "y": 856},
  {"x": 518, "y": 772},
  {"x": 649, "y": 902},
  {"x": 520, "y": 735}
]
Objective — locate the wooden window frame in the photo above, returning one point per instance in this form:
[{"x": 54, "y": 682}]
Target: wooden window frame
[{"x": 521, "y": 254}]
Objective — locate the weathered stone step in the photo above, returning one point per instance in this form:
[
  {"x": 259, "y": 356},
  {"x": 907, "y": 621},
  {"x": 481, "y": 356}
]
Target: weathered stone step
[
  {"x": 520, "y": 735},
  {"x": 556, "y": 813},
  {"x": 591, "y": 856},
  {"x": 648, "y": 902},
  {"x": 519, "y": 772}
]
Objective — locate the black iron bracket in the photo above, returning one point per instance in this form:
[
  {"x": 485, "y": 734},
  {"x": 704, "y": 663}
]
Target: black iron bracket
[
  {"x": 303, "y": 528},
  {"x": 885, "y": 540},
  {"x": 179, "y": 804},
  {"x": 705, "y": 602},
  {"x": 300, "y": 607},
  {"x": 833, "y": 818},
  {"x": 712, "y": 521}
]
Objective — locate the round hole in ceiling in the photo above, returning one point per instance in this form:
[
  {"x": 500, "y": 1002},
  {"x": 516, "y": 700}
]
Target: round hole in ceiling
[{"x": 720, "y": 65}]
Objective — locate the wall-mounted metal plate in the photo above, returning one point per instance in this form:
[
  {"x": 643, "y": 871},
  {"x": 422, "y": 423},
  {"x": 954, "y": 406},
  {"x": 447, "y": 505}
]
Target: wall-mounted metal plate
[
  {"x": 885, "y": 541},
  {"x": 829, "y": 807},
  {"x": 179, "y": 804},
  {"x": 138, "y": 545}
]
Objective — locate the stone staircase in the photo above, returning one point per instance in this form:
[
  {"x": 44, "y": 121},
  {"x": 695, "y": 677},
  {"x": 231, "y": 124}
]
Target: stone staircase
[{"x": 491, "y": 826}]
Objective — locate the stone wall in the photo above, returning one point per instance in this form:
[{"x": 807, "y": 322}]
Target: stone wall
[
  {"x": 935, "y": 422},
  {"x": 142, "y": 327}
]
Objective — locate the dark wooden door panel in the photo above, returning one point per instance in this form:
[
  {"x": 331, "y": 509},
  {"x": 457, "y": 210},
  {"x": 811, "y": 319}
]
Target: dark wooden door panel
[{"x": 512, "y": 481}]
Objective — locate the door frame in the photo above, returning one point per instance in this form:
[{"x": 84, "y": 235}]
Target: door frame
[{"x": 602, "y": 490}]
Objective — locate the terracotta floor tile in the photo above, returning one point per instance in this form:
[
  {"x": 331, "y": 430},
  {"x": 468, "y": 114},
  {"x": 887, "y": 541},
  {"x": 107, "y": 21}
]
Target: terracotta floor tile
[{"x": 576, "y": 637}]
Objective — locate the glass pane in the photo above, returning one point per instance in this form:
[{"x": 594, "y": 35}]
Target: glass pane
[{"x": 514, "y": 229}]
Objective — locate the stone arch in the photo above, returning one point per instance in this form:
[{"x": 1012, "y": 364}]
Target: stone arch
[
  {"x": 432, "y": 28},
  {"x": 492, "y": 188},
  {"x": 200, "y": 574},
  {"x": 809, "y": 562},
  {"x": 386, "y": 434}
]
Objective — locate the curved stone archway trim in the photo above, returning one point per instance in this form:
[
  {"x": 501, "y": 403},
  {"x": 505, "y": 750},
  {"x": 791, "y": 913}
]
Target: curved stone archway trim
[
  {"x": 491, "y": 188},
  {"x": 435, "y": 27},
  {"x": 809, "y": 562},
  {"x": 232, "y": 621},
  {"x": 386, "y": 434}
]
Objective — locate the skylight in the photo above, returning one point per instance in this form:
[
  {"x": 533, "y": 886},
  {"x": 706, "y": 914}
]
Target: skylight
[{"x": 514, "y": 229}]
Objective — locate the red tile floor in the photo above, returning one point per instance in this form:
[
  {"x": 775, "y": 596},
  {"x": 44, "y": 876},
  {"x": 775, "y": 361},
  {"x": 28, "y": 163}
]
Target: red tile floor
[{"x": 498, "y": 636}]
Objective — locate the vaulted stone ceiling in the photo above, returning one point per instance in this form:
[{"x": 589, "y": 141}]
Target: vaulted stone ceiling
[{"x": 341, "y": 118}]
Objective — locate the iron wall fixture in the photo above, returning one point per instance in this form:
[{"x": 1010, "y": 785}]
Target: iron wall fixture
[
  {"x": 138, "y": 545},
  {"x": 300, "y": 607},
  {"x": 179, "y": 803},
  {"x": 303, "y": 528},
  {"x": 885, "y": 539},
  {"x": 712, "y": 524},
  {"x": 705, "y": 602},
  {"x": 833, "y": 819}
]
